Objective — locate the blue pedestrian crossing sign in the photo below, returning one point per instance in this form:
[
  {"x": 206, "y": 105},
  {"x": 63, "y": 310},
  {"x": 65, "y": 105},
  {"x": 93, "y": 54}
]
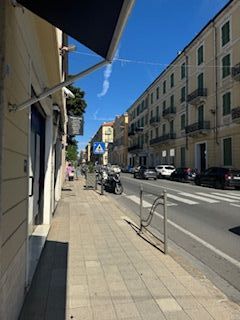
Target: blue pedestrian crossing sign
[{"x": 98, "y": 147}]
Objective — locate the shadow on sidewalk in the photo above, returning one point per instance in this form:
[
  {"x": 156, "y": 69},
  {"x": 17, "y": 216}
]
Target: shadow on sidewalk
[
  {"x": 46, "y": 298},
  {"x": 148, "y": 236}
]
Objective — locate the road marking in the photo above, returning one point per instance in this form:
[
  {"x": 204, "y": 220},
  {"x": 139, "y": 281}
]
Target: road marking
[
  {"x": 234, "y": 194},
  {"x": 235, "y": 205},
  {"x": 226, "y": 195},
  {"x": 137, "y": 200},
  {"x": 204, "y": 243},
  {"x": 198, "y": 197},
  {"x": 171, "y": 196},
  {"x": 216, "y": 197}
]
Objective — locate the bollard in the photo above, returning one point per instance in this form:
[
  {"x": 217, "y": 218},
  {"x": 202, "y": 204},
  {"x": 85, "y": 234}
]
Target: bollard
[
  {"x": 141, "y": 200},
  {"x": 96, "y": 181},
  {"x": 102, "y": 185},
  {"x": 165, "y": 222}
]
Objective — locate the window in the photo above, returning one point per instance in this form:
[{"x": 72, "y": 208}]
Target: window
[
  {"x": 156, "y": 132},
  {"x": 225, "y": 33},
  {"x": 183, "y": 121},
  {"x": 164, "y": 86},
  {"x": 151, "y": 114},
  {"x": 164, "y": 105},
  {"x": 164, "y": 129},
  {"x": 138, "y": 109},
  {"x": 146, "y": 119},
  {"x": 146, "y": 101},
  {"x": 200, "y": 55},
  {"x": 157, "y": 111},
  {"x": 146, "y": 138},
  {"x": 172, "y": 101},
  {"x": 151, "y": 98},
  {"x": 142, "y": 122},
  {"x": 172, "y": 80},
  {"x": 151, "y": 134},
  {"x": 157, "y": 92},
  {"x": 200, "y": 81},
  {"x": 142, "y": 108},
  {"x": 227, "y": 152},
  {"x": 183, "y": 70},
  {"x": 183, "y": 158},
  {"x": 226, "y": 66},
  {"x": 226, "y": 103},
  {"x": 183, "y": 94},
  {"x": 171, "y": 127},
  {"x": 200, "y": 114}
]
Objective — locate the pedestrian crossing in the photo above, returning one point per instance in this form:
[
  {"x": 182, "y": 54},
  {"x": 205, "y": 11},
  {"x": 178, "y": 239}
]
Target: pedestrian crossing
[{"x": 186, "y": 198}]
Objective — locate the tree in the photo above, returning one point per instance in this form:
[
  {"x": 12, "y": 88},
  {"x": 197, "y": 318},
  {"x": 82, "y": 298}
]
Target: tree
[
  {"x": 72, "y": 153},
  {"x": 76, "y": 106}
]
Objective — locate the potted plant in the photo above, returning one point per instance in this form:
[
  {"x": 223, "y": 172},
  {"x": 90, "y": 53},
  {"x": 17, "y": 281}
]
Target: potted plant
[{"x": 90, "y": 176}]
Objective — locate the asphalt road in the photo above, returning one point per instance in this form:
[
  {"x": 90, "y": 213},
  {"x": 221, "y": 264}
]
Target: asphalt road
[{"x": 203, "y": 221}]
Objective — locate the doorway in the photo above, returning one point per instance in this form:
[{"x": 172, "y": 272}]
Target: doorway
[
  {"x": 36, "y": 167},
  {"x": 201, "y": 156}
]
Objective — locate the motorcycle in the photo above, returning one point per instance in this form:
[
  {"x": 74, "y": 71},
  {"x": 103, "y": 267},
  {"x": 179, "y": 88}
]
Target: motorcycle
[{"x": 113, "y": 183}]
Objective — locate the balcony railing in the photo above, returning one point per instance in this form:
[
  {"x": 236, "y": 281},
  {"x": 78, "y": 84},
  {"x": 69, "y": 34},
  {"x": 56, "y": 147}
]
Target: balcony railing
[
  {"x": 130, "y": 132},
  {"x": 236, "y": 72},
  {"x": 171, "y": 111},
  {"x": 164, "y": 138},
  {"x": 197, "y": 95},
  {"x": 236, "y": 114},
  {"x": 135, "y": 147},
  {"x": 200, "y": 126},
  {"x": 154, "y": 120}
]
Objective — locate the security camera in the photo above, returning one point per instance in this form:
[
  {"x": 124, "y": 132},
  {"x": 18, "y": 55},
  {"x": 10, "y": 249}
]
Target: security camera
[{"x": 68, "y": 93}]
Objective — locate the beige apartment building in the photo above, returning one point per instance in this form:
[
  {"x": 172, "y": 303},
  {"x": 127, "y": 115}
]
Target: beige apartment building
[
  {"x": 193, "y": 113},
  {"x": 32, "y": 147},
  {"x": 120, "y": 141},
  {"x": 104, "y": 134}
]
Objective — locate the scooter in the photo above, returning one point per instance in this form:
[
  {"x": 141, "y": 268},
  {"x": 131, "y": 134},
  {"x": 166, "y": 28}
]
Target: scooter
[{"x": 113, "y": 183}]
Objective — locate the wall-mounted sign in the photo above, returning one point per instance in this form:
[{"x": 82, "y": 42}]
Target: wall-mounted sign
[
  {"x": 75, "y": 125},
  {"x": 164, "y": 153},
  {"x": 172, "y": 152}
]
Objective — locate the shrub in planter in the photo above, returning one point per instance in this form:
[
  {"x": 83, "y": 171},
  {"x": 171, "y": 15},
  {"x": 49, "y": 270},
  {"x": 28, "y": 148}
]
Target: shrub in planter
[{"x": 90, "y": 176}]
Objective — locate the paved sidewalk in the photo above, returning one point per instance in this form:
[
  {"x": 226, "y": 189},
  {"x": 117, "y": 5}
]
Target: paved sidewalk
[{"x": 95, "y": 266}]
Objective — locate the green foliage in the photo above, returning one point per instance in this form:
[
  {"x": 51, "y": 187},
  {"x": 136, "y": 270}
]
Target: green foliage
[
  {"x": 72, "y": 153},
  {"x": 76, "y": 106},
  {"x": 90, "y": 167},
  {"x": 72, "y": 141}
]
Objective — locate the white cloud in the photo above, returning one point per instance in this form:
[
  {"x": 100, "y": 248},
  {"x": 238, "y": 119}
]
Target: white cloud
[{"x": 106, "y": 74}]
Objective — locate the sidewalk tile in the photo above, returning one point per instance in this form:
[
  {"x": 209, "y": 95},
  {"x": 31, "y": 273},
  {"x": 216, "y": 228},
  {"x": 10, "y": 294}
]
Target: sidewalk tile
[{"x": 168, "y": 305}]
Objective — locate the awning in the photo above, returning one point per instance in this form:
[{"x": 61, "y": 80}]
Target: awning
[{"x": 97, "y": 24}]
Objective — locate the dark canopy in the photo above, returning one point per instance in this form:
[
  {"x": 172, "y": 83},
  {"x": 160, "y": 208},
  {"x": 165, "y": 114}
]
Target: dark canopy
[{"x": 97, "y": 24}]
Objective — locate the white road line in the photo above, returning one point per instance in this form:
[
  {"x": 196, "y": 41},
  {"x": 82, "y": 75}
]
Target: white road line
[
  {"x": 235, "y": 205},
  {"x": 198, "y": 197},
  {"x": 171, "y": 196},
  {"x": 216, "y": 197},
  {"x": 204, "y": 243},
  {"x": 226, "y": 195},
  {"x": 137, "y": 200},
  {"x": 234, "y": 194}
]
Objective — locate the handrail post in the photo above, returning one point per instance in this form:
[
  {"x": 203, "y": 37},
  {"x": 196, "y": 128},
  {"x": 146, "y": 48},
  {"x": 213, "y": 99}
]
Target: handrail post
[
  {"x": 165, "y": 222},
  {"x": 141, "y": 200}
]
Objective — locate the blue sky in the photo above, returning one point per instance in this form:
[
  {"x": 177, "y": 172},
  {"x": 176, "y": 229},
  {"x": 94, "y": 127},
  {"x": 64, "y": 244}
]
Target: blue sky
[{"x": 155, "y": 32}]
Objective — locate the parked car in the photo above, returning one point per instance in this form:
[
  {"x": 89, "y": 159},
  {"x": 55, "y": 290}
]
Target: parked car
[
  {"x": 164, "y": 170},
  {"x": 183, "y": 174},
  {"x": 219, "y": 177},
  {"x": 146, "y": 173}
]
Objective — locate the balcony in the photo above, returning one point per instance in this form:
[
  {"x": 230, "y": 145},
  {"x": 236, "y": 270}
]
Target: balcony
[
  {"x": 236, "y": 72},
  {"x": 236, "y": 115},
  {"x": 135, "y": 147},
  {"x": 139, "y": 129},
  {"x": 163, "y": 139},
  {"x": 198, "y": 128},
  {"x": 197, "y": 96},
  {"x": 154, "y": 120},
  {"x": 169, "y": 113}
]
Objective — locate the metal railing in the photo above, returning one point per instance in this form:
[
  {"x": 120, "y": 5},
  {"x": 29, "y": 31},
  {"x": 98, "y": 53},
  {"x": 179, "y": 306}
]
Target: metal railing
[
  {"x": 200, "y": 92},
  {"x": 235, "y": 113},
  {"x": 236, "y": 71},
  {"x": 200, "y": 125},
  {"x": 144, "y": 223},
  {"x": 168, "y": 111},
  {"x": 165, "y": 137},
  {"x": 154, "y": 120}
]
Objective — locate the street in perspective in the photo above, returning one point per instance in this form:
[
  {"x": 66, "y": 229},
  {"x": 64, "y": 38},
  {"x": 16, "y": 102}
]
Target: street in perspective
[{"x": 120, "y": 160}]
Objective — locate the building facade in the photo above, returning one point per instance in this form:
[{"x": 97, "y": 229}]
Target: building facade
[
  {"x": 104, "y": 134},
  {"x": 190, "y": 115},
  {"x": 120, "y": 141},
  {"x": 32, "y": 147}
]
